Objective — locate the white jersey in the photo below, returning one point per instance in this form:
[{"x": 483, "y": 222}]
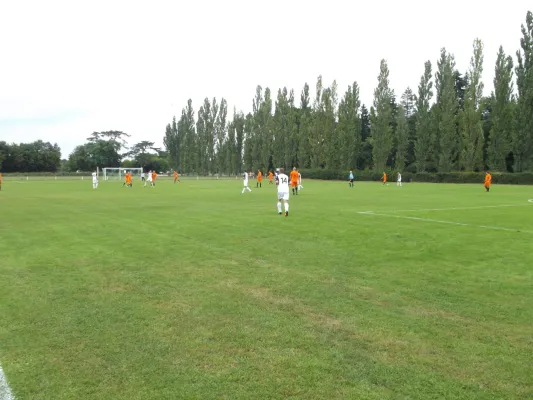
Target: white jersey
[
  {"x": 149, "y": 177},
  {"x": 399, "y": 177},
  {"x": 246, "y": 179},
  {"x": 283, "y": 186},
  {"x": 299, "y": 178},
  {"x": 95, "y": 178},
  {"x": 142, "y": 175}
]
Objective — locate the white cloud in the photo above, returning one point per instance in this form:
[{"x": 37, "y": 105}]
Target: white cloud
[{"x": 131, "y": 66}]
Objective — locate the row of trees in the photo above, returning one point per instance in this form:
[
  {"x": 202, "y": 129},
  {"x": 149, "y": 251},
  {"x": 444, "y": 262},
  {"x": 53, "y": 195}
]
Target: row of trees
[
  {"x": 102, "y": 149},
  {"x": 445, "y": 126},
  {"x": 110, "y": 149},
  {"x": 29, "y": 157}
]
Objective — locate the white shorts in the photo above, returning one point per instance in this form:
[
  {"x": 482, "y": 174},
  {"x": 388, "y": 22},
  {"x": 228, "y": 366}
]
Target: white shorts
[
  {"x": 283, "y": 196},
  {"x": 245, "y": 184}
]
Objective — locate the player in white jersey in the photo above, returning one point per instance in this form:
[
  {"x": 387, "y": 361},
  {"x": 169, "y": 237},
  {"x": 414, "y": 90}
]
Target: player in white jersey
[
  {"x": 95, "y": 180},
  {"x": 149, "y": 179},
  {"x": 142, "y": 177},
  {"x": 245, "y": 183},
  {"x": 283, "y": 191},
  {"x": 300, "y": 187},
  {"x": 399, "y": 180}
]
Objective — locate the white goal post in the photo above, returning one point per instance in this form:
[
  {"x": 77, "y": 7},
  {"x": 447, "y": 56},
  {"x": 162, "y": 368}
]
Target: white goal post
[{"x": 119, "y": 173}]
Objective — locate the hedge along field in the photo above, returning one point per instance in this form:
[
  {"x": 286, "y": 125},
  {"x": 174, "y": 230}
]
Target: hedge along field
[{"x": 525, "y": 178}]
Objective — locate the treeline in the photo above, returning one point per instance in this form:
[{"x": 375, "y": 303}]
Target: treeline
[
  {"x": 29, "y": 157},
  {"x": 445, "y": 125},
  {"x": 102, "y": 149},
  {"x": 110, "y": 149}
]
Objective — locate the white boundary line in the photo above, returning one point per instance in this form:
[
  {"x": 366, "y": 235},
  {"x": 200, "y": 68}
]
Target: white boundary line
[
  {"x": 5, "y": 390},
  {"x": 494, "y": 228},
  {"x": 463, "y": 208}
]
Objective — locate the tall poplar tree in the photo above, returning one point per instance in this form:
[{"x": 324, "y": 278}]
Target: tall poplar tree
[
  {"x": 280, "y": 125},
  {"x": 423, "y": 145},
  {"x": 446, "y": 113},
  {"x": 471, "y": 126},
  {"x": 316, "y": 136},
  {"x": 381, "y": 130},
  {"x": 172, "y": 144},
  {"x": 523, "y": 133},
  {"x": 502, "y": 113},
  {"x": 220, "y": 135},
  {"x": 408, "y": 102},
  {"x": 238, "y": 123},
  {"x": 304, "y": 128},
  {"x": 248, "y": 142},
  {"x": 349, "y": 128},
  {"x": 401, "y": 138}
]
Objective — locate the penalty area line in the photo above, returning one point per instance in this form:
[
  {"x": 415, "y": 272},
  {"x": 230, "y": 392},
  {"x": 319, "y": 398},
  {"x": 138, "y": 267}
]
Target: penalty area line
[
  {"x": 5, "y": 390},
  {"x": 463, "y": 208},
  {"x": 438, "y": 221}
]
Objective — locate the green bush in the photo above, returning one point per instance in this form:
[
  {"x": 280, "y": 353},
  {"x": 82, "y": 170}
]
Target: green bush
[{"x": 524, "y": 178}]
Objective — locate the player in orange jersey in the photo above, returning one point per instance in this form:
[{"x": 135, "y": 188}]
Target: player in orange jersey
[
  {"x": 259, "y": 179},
  {"x": 127, "y": 180},
  {"x": 176, "y": 177},
  {"x": 270, "y": 178},
  {"x": 488, "y": 181},
  {"x": 154, "y": 177},
  {"x": 0, "y": 182},
  {"x": 384, "y": 178},
  {"x": 294, "y": 181}
]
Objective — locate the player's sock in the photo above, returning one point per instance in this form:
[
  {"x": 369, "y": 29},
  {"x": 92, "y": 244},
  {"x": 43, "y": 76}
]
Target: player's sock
[
  {"x": 243, "y": 189},
  {"x": 248, "y": 189},
  {"x": 287, "y": 207},
  {"x": 279, "y": 207}
]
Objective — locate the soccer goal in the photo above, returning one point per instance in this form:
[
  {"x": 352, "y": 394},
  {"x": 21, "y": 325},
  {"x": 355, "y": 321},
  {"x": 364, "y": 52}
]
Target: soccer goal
[{"x": 119, "y": 173}]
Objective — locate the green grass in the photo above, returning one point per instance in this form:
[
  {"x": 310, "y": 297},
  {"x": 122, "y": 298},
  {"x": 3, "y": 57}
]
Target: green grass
[{"x": 195, "y": 291}]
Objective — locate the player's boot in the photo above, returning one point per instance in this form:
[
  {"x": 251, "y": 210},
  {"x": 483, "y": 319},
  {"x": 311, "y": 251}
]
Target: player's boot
[{"x": 286, "y": 213}]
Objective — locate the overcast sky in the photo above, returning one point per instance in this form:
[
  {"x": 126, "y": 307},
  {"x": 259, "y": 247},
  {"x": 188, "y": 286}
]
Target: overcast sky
[{"x": 68, "y": 68}]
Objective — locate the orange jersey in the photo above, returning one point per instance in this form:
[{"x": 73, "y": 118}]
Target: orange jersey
[
  {"x": 128, "y": 178},
  {"x": 270, "y": 176},
  {"x": 488, "y": 179},
  {"x": 259, "y": 177},
  {"x": 294, "y": 176},
  {"x": 384, "y": 177},
  {"x": 175, "y": 175},
  {"x": 0, "y": 178},
  {"x": 154, "y": 176}
]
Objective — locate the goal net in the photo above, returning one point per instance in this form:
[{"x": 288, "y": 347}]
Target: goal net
[{"x": 119, "y": 173}]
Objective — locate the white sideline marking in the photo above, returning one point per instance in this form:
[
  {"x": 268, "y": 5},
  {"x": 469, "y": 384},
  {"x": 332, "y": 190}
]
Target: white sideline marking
[
  {"x": 438, "y": 221},
  {"x": 464, "y": 208},
  {"x": 5, "y": 390}
]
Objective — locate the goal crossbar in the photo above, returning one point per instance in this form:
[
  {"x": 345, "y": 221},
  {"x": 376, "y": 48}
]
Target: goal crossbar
[{"x": 119, "y": 173}]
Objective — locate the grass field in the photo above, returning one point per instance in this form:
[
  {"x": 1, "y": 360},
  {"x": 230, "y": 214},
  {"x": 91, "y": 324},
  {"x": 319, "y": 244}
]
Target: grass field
[{"x": 194, "y": 291}]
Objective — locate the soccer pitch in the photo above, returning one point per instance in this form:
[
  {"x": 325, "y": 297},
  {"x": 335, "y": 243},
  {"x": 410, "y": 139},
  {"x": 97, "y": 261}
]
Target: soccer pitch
[{"x": 196, "y": 291}]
